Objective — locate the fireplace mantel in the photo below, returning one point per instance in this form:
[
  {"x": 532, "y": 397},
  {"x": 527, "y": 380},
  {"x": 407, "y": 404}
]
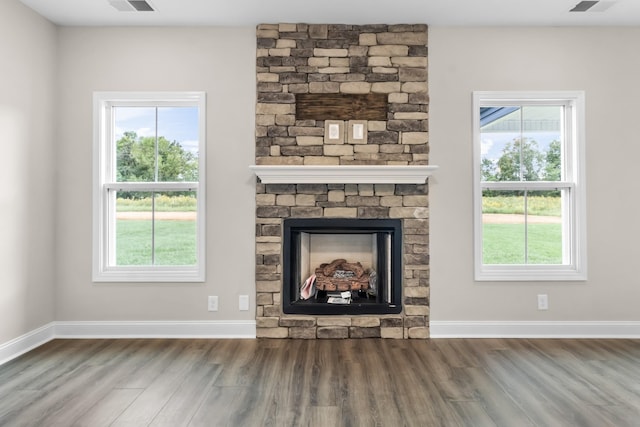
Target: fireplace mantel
[{"x": 357, "y": 174}]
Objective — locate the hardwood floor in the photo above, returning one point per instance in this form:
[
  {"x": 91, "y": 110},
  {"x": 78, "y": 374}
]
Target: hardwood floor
[{"x": 369, "y": 382}]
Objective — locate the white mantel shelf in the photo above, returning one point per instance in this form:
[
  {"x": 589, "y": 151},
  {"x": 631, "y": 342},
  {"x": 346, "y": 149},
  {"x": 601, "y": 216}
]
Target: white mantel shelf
[{"x": 360, "y": 174}]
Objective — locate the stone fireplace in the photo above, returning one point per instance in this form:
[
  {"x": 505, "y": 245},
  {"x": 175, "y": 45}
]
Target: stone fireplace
[{"x": 312, "y": 175}]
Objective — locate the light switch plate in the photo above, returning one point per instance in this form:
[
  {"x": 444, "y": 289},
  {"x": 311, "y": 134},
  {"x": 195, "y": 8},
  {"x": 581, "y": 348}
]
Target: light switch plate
[
  {"x": 357, "y": 132},
  {"x": 333, "y": 132}
]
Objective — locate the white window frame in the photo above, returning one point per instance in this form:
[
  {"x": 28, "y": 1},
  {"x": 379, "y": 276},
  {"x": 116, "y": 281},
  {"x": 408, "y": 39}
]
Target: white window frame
[
  {"x": 574, "y": 268},
  {"x": 104, "y": 268}
]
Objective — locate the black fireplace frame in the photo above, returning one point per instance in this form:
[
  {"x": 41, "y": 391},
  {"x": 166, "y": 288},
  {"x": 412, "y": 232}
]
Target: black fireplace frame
[{"x": 292, "y": 227}]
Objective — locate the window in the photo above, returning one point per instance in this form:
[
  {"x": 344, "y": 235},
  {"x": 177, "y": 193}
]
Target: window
[
  {"x": 149, "y": 195},
  {"x": 529, "y": 191}
]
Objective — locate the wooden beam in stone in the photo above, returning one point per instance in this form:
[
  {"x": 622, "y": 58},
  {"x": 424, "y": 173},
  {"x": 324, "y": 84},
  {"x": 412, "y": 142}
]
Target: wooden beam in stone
[{"x": 334, "y": 106}]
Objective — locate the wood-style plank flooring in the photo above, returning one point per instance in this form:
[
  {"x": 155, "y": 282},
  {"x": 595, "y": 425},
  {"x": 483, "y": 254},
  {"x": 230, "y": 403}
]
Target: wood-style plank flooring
[{"x": 369, "y": 382}]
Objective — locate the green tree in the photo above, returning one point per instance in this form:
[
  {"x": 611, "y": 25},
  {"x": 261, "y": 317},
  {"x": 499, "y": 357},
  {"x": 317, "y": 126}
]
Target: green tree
[
  {"x": 488, "y": 170},
  {"x": 176, "y": 164},
  {"x": 125, "y": 161},
  {"x": 137, "y": 159},
  {"x": 552, "y": 168},
  {"x": 520, "y": 159}
]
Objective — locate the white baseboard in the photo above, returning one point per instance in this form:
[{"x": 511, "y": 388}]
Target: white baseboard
[
  {"x": 512, "y": 329},
  {"x": 144, "y": 329},
  {"x": 157, "y": 329},
  {"x": 247, "y": 330},
  {"x": 27, "y": 342}
]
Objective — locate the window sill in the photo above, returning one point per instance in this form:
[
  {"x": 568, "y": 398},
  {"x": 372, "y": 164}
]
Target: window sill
[
  {"x": 160, "y": 276},
  {"x": 544, "y": 274}
]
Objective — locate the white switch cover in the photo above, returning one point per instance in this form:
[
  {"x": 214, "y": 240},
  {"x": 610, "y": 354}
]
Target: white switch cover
[
  {"x": 334, "y": 131},
  {"x": 358, "y": 131},
  {"x": 243, "y": 302}
]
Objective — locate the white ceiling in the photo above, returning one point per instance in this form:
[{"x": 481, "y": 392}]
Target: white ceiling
[{"x": 253, "y": 12}]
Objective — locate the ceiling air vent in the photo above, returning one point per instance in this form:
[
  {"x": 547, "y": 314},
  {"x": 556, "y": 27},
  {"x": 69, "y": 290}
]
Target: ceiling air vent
[
  {"x": 131, "y": 5},
  {"x": 141, "y": 5},
  {"x": 592, "y": 6}
]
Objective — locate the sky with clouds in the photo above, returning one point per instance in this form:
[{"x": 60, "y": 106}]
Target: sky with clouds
[{"x": 174, "y": 123}]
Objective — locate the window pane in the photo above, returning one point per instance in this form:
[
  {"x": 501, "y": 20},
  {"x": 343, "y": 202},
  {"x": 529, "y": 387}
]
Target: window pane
[
  {"x": 175, "y": 228},
  {"x": 143, "y": 156},
  {"x": 134, "y": 228},
  {"x": 511, "y": 237},
  {"x": 544, "y": 227},
  {"x": 521, "y": 143},
  {"x": 542, "y": 127},
  {"x": 134, "y": 132},
  {"x": 503, "y": 227},
  {"x": 156, "y": 228},
  {"x": 178, "y": 143},
  {"x": 500, "y": 129}
]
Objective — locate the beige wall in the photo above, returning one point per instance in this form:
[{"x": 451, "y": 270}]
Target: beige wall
[
  {"x": 27, "y": 202},
  {"x": 46, "y": 206},
  {"x": 220, "y": 62},
  {"x": 604, "y": 62}
]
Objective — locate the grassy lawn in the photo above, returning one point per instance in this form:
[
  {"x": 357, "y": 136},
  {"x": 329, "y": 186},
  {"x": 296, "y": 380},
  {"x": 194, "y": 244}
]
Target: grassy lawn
[
  {"x": 175, "y": 242},
  {"x": 505, "y": 243}
]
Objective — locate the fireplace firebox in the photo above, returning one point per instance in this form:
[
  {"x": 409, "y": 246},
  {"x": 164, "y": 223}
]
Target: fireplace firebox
[{"x": 345, "y": 266}]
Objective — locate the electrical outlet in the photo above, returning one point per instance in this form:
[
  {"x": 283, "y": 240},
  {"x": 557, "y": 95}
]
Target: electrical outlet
[
  {"x": 243, "y": 302},
  {"x": 213, "y": 303},
  {"x": 543, "y": 302}
]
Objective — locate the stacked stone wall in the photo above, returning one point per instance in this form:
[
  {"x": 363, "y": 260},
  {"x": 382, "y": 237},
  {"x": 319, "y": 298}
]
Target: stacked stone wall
[{"x": 347, "y": 59}]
